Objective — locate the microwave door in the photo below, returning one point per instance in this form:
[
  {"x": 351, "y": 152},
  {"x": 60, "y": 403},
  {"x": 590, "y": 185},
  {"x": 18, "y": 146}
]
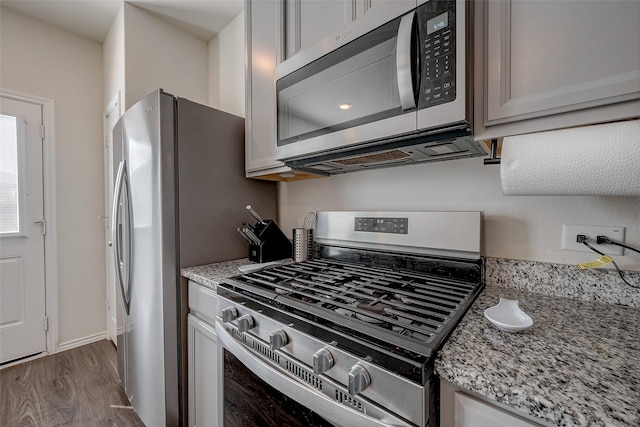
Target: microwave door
[
  {"x": 444, "y": 100},
  {"x": 361, "y": 92}
]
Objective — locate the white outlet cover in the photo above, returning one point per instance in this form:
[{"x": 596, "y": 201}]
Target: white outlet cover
[{"x": 570, "y": 233}]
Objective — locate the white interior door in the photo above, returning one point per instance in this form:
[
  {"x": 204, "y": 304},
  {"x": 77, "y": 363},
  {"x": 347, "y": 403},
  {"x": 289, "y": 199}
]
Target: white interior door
[
  {"x": 23, "y": 322},
  {"x": 111, "y": 115}
]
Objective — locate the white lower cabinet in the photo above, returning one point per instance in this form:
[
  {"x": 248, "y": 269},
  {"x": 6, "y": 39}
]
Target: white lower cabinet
[
  {"x": 203, "y": 357},
  {"x": 459, "y": 409},
  {"x": 203, "y": 386},
  {"x": 470, "y": 412}
]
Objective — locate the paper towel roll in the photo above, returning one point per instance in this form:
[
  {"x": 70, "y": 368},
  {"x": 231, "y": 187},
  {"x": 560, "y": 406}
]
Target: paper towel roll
[{"x": 598, "y": 160}]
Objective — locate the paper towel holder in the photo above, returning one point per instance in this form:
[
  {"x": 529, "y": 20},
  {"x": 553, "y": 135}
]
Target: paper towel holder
[{"x": 493, "y": 156}]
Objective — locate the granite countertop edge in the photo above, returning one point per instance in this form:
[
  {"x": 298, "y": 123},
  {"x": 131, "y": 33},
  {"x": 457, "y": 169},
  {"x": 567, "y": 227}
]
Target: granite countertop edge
[{"x": 210, "y": 275}]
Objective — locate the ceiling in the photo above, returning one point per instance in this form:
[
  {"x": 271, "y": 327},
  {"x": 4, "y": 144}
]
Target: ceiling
[{"x": 92, "y": 18}]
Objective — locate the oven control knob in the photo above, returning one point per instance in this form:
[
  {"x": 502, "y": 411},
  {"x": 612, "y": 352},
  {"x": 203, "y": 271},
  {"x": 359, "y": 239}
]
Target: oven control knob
[
  {"x": 278, "y": 339},
  {"x": 229, "y": 314},
  {"x": 245, "y": 323},
  {"x": 359, "y": 379},
  {"x": 322, "y": 361}
]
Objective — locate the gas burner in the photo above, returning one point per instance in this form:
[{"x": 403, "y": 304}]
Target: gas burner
[
  {"x": 344, "y": 312},
  {"x": 370, "y": 312},
  {"x": 373, "y": 307}
]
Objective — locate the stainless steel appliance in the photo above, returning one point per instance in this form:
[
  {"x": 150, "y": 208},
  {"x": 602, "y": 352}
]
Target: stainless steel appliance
[
  {"x": 349, "y": 338},
  {"x": 179, "y": 192},
  {"x": 391, "y": 88}
]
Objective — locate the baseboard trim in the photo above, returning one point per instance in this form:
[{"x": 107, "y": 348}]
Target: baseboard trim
[
  {"x": 62, "y": 347},
  {"x": 82, "y": 341}
]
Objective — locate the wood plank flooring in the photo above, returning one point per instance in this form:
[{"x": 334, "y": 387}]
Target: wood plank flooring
[{"x": 77, "y": 387}]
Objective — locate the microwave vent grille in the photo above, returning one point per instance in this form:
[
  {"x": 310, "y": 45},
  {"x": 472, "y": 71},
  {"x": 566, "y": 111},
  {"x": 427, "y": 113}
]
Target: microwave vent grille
[
  {"x": 449, "y": 145},
  {"x": 386, "y": 156}
]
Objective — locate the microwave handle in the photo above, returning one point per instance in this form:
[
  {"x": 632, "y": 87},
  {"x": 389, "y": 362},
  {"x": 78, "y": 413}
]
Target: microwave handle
[{"x": 403, "y": 62}]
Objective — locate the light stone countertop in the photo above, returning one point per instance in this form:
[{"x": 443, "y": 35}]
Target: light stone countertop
[
  {"x": 211, "y": 274},
  {"x": 578, "y": 365}
]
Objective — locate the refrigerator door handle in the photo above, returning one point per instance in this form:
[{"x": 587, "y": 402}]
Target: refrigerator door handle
[
  {"x": 129, "y": 222},
  {"x": 116, "y": 229}
]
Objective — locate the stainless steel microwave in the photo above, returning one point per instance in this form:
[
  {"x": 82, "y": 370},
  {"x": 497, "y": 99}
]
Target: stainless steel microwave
[{"x": 394, "y": 87}]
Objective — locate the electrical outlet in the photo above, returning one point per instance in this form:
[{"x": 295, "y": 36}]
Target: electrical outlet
[{"x": 570, "y": 233}]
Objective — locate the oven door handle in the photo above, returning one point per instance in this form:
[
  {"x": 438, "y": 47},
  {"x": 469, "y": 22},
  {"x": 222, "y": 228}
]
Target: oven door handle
[{"x": 288, "y": 385}]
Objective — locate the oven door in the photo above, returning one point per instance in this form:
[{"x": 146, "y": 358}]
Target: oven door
[{"x": 255, "y": 390}]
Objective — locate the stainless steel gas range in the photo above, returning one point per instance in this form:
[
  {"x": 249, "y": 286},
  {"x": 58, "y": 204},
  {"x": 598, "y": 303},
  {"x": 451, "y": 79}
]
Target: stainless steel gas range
[{"x": 349, "y": 338}]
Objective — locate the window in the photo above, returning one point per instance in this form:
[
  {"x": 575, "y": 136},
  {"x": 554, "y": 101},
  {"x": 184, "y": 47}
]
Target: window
[{"x": 9, "y": 172}]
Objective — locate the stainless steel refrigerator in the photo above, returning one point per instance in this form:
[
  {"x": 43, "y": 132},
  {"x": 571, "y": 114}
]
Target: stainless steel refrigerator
[{"x": 179, "y": 196}]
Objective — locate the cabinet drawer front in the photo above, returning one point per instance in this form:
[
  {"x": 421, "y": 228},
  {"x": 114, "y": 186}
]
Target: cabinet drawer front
[{"x": 203, "y": 301}]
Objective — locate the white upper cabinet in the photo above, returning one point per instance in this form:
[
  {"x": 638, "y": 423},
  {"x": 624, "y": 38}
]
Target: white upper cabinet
[
  {"x": 264, "y": 51},
  {"x": 264, "y": 32},
  {"x": 542, "y": 65},
  {"x": 309, "y": 21}
]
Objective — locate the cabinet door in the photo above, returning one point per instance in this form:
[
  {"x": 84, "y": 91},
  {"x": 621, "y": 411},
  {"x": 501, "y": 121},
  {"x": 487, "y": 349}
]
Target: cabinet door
[
  {"x": 203, "y": 387},
  {"x": 365, "y": 6},
  {"x": 550, "y": 57},
  {"x": 309, "y": 21},
  {"x": 264, "y": 49}
]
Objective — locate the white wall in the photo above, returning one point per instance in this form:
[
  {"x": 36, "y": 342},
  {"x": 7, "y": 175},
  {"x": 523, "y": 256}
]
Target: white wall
[
  {"x": 516, "y": 227},
  {"x": 158, "y": 55},
  {"x": 226, "y": 68},
  {"x": 113, "y": 59},
  {"x": 42, "y": 60}
]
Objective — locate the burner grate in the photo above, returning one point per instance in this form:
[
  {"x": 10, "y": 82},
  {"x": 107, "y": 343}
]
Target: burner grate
[{"x": 407, "y": 307}]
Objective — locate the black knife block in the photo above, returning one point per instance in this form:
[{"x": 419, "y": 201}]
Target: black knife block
[{"x": 274, "y": 245}]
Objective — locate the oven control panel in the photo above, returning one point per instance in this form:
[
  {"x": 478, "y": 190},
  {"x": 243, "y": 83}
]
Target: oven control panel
[
  {"x": 381, "y": 225},
  {"x": 445, "y": 233}
]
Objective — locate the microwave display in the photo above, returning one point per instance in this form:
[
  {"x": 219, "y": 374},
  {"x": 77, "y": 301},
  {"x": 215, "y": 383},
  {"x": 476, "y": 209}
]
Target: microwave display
[{"x": 437, "y": 23}]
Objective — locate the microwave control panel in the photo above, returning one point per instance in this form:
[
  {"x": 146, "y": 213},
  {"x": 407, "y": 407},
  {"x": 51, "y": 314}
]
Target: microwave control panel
[{"x": 437, "y": 30}]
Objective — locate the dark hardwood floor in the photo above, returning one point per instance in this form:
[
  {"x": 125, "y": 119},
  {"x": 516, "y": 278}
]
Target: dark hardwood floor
[{"x": 77, "y": 387}]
